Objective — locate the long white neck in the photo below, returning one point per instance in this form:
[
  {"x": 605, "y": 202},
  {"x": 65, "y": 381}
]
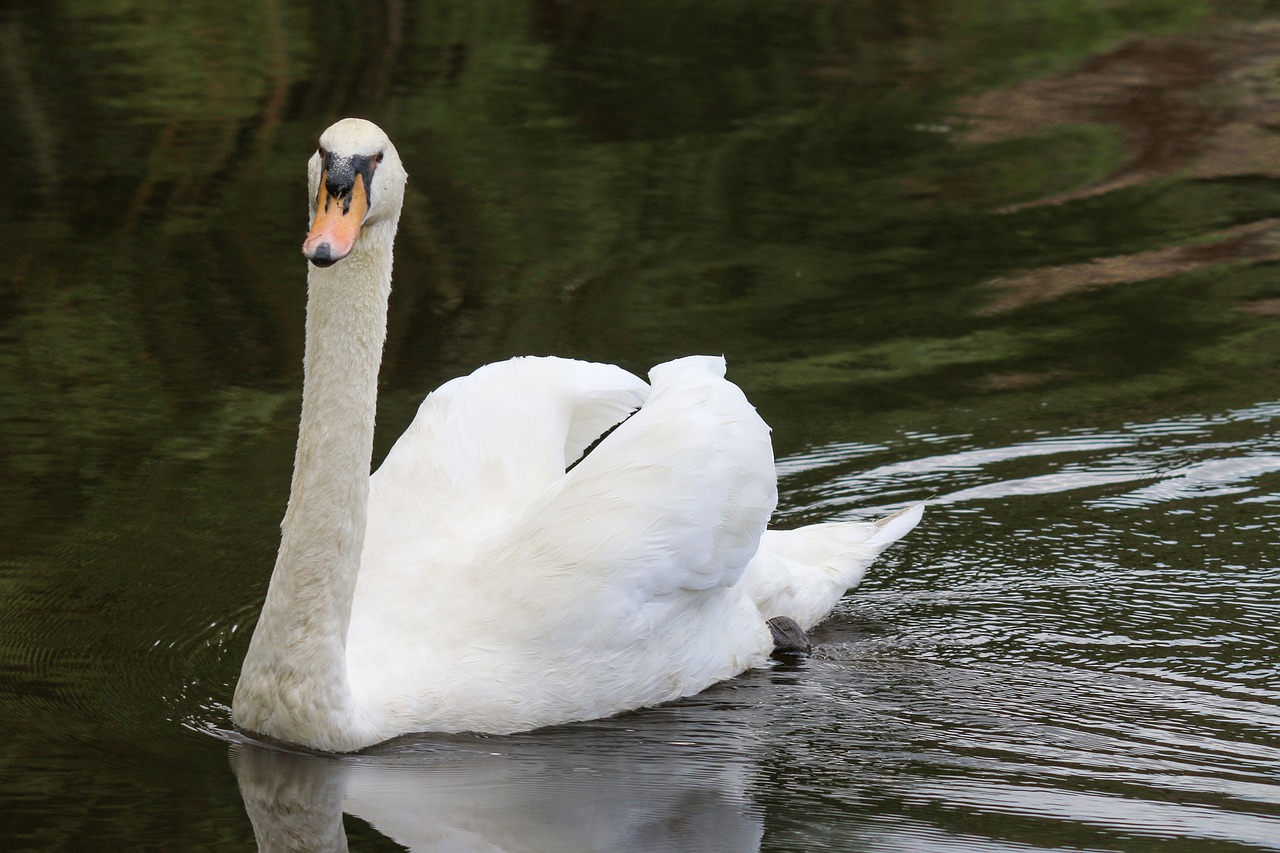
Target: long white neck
[{"x": 293, "y": 685}]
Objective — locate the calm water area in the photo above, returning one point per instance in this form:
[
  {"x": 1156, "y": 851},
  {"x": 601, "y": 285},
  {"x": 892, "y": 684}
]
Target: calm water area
[{"x": 1018, "y": 258}]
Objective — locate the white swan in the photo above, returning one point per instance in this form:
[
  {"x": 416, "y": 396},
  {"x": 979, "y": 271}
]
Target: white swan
[{"x": 473, "y": 583}]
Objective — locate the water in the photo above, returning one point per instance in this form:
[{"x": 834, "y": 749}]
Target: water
[{"x": 1014, "y": 258}]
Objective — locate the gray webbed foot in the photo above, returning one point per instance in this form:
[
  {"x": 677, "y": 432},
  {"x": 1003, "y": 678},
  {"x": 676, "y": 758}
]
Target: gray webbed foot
[{"x": 788, "y": 637}]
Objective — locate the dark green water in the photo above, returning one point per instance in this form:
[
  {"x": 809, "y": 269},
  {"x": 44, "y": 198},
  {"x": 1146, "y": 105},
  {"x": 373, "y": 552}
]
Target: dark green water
[{"x": 1020, "y": 257}]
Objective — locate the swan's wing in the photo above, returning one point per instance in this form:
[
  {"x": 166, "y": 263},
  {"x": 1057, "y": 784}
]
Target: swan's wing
[
  {"x": 611, "y": 588},
  {"x": 672, "y": 503},
  {"x": 482, "y": 446}
]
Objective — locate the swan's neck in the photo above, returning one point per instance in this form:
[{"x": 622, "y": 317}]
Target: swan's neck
[{"x": 294, "y": 683}]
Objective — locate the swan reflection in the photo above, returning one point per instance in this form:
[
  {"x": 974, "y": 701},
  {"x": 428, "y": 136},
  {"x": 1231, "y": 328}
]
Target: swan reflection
[{"x": 618, "y": 785}]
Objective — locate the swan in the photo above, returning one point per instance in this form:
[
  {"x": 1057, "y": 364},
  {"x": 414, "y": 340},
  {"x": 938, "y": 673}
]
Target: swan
[{"x": 482, "y": 581}]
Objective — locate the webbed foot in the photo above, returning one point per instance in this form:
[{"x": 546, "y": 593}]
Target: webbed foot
[{"x": 788, "y": 637}]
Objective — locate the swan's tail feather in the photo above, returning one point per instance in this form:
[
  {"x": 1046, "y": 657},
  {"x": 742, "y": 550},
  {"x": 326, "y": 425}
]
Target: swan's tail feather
[
  {"x": 802, "y": 573},
  {"x": 893, "y": 527}
]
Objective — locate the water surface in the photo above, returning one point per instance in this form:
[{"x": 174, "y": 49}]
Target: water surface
[{"x": 1016, "y": 259}]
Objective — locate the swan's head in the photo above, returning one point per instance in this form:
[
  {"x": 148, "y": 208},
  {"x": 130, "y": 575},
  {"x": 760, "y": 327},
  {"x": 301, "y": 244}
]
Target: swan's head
[{"x": 357, "y": 183}]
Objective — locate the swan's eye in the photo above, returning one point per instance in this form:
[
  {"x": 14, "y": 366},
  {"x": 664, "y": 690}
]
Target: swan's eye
[
  {"x": 378, "y": 158},
  {"x": 320, "y": 152}
]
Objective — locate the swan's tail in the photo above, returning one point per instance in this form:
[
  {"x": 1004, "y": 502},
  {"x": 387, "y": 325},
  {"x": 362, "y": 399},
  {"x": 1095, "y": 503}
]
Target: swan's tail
[{"x": 802, "y": 573}]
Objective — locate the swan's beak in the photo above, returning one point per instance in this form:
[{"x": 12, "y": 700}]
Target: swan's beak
[{"x": 340, "y": 211}]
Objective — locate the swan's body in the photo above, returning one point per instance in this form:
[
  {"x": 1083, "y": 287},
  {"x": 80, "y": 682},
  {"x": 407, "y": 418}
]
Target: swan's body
[{"x": 473, "y": 583}]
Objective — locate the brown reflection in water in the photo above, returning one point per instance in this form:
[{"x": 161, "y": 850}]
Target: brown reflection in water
[
  {"x": 1200, "y": 106},
  {"x": 1253, "y": 242}
]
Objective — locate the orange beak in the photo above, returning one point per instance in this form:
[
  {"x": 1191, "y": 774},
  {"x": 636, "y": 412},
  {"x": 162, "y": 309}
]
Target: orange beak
[{"x": 337, "y": 223}]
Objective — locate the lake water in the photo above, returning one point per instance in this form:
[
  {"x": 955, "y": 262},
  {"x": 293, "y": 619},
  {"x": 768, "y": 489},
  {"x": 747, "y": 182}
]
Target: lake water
[{"x": 1015, "y": 258}]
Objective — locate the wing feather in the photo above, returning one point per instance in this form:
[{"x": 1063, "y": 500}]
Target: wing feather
[{"x": 673, "y": 502}]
